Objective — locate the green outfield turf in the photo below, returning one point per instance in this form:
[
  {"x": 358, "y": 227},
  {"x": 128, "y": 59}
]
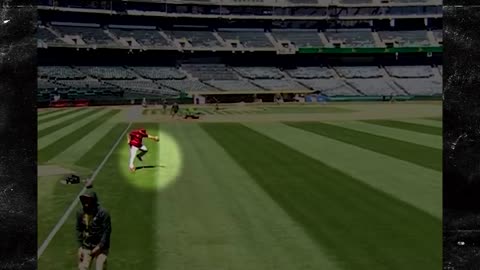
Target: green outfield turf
[{"x": 248, "y": 196}]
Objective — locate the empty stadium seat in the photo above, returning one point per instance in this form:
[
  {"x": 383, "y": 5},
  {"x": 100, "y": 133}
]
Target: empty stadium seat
[
  {"x": 209, "y": 71},
  {"x": 249, "y": 38},
  {"x": 259, "y": 72},
  {"x": 303, "y": 1},
  {"x": 234, "y": 85},
  {"x": 187, "y": 85},
  {"x": 299, "y": 38},
  {"x": 88, "y": 83},
  {"x": 359, "y": 72},
  {"x": 47, "y": 36},
  {"x": 159, "y": 73},
  {"x": 374, "y": 87},
  {"x": 406, "y": 38},
  {"x": 146, "y": 37},
  {"x": 60, "y": 72},
  {"x": 311, "y": 72},
  {"x": 197, "y": 38},
  {"x": 330, "y": 87},
  {"x": 410, "y": 71},
  {"x": 279, "y": 84},
  {"x": 351, "y": 38},
  {"x": 108, "y": 72},
  {"x": 46, "y": 84},
  {"x": 90, "y": 35},
  {"x": 356, "y": 1},
  {"x": 421, "y": 87}
]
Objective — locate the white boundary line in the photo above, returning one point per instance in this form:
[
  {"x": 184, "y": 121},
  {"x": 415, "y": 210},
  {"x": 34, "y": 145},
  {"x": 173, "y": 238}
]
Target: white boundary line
[{"x": 62, "y": 220}]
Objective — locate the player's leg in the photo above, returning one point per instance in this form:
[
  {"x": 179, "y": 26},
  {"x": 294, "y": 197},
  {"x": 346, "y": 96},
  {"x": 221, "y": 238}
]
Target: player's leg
[
  {"x": 85, "y": 260},
  {"x": 101, "y": 262},
  {"x": 143, "y": 151},
  {"x": 133, "y": 153}
]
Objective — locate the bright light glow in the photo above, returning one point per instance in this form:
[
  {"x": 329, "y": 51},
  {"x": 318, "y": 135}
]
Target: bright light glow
[
  {"x": 163, "y": 172},
  {"x": 6, "y": 21}
]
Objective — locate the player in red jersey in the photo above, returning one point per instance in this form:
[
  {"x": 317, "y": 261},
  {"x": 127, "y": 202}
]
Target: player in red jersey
[{"x": 135, "y": 138}]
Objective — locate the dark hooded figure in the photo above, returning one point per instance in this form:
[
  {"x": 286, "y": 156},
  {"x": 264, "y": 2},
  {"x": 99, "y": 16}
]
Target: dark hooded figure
[
  {"x": 93, "y": 232},
  {"x": 175, "y": 109}
]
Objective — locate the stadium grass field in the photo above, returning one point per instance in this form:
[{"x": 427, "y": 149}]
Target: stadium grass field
[{"x": 250, "y": 195}]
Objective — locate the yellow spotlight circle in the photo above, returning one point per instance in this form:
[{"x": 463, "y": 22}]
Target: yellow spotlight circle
[{"x": 161, "y": 165}]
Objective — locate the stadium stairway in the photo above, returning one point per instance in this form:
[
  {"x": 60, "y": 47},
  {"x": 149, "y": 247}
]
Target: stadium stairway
[
  {"x": 167, "y": 38},
  {"x": 324, "y": 40},
  {"x": 378, "y": 41},
  {"x": 115, "y": 39},
  {"x": 272, "y": 40},
  {"x": 183, "y": 71},
  {"x": 219, "y": 39},
  {"x": 392, "y": 83},
  {"x": 437, "y": 76},
  {"x": 58, "y": 35},
  {"x": 67, "y": 39},
  {"x": 431, "y": 38}
]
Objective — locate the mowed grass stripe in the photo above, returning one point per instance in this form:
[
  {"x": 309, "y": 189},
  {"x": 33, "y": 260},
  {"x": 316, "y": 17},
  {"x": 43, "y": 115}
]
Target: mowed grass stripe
[
  {"x": 424, "y": 122},
  {"x": 45, "y": 113},
  {"x": 98, "y": 148},
  {"x": 245, "y": 228},
  {"x": 207, "y": 111},
  {"x": 52, "y": 137},
  {"x": 358, "y": 225},
  {"x": 407, "y": 126},
  {"x": 432, "y": 141},
  {"x": 42, "y": 112},
  {"x": 417, "y": 154},
  {"x": 48, "y": 112},
  {"x": 71, "y": 119},
  {"x": 78, "y": 149},
  {"x": 403, "y": 180},
  {"x": 61, "y": 144},
  {"x": 61, "y": 113}
]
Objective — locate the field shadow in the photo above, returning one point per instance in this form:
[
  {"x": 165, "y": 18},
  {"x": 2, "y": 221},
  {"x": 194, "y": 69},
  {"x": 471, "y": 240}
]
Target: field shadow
[{"x": 149, "y": 167}]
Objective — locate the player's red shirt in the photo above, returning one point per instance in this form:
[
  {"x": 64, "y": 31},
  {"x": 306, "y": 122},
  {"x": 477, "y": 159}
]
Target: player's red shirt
[{"x": 136, "y": 137}]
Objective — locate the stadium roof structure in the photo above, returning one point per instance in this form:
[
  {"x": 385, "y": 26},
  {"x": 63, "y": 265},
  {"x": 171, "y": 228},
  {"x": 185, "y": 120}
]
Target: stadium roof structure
[
  {"x": 261, "y": 9},
  {"x": 285, "y": 3}
]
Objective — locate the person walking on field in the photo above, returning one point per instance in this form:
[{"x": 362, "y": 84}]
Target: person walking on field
[
  {"x": 175, "y": 109},
  {"x": 164, "y": 106},
  {"x": 93, "y": 233}
]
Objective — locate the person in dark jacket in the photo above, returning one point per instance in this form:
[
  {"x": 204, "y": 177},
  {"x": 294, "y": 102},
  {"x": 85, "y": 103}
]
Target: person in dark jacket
[
  {"x": 93, "y": 232},
  {"x": 175, "y": 109}
]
